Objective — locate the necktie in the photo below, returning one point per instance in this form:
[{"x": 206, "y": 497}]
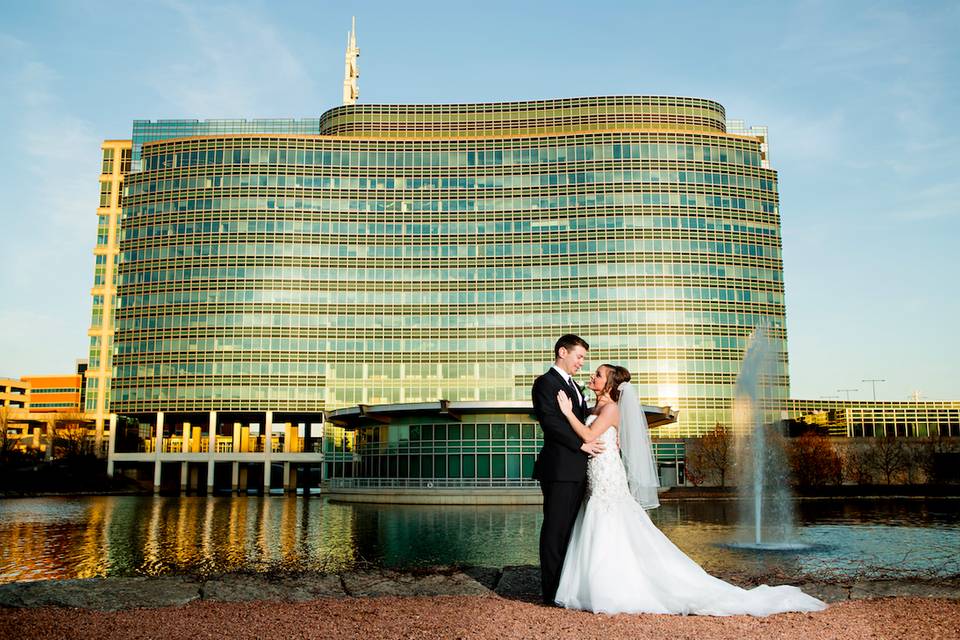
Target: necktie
[{"x": 575, "y": 393}]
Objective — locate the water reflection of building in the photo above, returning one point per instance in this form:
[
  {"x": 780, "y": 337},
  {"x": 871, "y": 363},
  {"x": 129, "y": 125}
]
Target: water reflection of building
[{"x": 216, "y": 536}]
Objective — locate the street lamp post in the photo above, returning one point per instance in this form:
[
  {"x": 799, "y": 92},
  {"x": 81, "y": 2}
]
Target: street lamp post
[{"x": 873, "y": 382}]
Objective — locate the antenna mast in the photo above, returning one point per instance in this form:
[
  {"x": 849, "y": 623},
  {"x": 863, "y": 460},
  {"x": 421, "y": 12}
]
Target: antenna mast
[{"x": 350, "y": 69}]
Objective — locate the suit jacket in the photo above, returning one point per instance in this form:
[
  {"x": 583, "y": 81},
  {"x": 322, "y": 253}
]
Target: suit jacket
[{"x": 560, "y": 458}]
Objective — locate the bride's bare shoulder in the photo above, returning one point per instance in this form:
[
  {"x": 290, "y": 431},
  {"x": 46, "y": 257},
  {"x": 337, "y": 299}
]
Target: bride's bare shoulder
[{"x": 609, "y": 409}]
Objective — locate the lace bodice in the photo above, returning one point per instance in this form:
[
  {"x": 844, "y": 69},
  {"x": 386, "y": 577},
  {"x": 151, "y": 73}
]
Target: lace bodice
[{"x": 606, "y": 478}]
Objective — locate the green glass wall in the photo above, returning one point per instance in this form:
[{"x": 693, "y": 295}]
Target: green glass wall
[{"x": 480, "y": 450}]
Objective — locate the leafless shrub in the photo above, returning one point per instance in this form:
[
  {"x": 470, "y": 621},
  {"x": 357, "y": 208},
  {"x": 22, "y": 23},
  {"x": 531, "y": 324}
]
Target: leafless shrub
[{"x": 814, "y": 460}]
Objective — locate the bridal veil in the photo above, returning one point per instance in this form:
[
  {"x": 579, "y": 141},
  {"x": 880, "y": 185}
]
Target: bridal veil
[{"x": 636, "y": 449}]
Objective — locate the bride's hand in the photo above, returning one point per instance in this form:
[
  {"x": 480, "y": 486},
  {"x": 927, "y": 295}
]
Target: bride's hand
[
  {"x": 592, "y": 449},
  {"x": 566, "y": 404}
]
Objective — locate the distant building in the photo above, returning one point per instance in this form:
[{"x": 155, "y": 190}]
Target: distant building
[
  {"x": 14, "y": 394},
  {"x": 55, "y": 393},
  {"x": 876, "y": 419},
  {"x": 24, "y": 428},
  {"x": 82, "y": 366}
]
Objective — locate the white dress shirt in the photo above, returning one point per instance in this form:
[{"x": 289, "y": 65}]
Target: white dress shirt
[{"x": 567, "y": 377}]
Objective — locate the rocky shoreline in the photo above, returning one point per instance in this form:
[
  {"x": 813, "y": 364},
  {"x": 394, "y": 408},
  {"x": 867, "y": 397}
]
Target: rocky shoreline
[
  {"x": 512, "y": 583},
  {"x": 443, "y": 602}
]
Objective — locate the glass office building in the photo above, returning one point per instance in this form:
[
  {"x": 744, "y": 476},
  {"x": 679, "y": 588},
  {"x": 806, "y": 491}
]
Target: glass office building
[
  {"x": 416, "y": 253},
  {"x": 873, "y": 419}
]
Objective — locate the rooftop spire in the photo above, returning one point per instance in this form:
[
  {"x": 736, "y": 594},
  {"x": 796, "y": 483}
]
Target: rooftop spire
[{"x": 350, "y": 70}]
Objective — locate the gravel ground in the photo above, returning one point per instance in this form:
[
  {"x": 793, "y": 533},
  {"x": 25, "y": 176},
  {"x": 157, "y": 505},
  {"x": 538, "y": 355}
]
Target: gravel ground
[{"x": 477, "y": 617}]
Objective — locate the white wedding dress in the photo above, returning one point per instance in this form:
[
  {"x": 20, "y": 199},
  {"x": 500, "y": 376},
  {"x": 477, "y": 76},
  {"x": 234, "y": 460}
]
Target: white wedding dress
[{"x": 618, "y": 561}]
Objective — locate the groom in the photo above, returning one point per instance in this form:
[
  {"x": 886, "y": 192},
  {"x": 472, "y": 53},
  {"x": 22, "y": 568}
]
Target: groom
[{"x": 561, "y": 466}]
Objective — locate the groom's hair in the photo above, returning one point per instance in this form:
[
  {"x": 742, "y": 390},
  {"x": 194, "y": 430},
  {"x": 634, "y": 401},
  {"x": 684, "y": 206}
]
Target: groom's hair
[{"x": 568, "y": 342}]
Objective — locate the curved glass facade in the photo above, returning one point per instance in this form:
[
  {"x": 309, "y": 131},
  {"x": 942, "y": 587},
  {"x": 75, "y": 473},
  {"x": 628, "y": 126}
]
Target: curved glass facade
[
  {"x": 456, "y": 445},
  {"x": 476, "y": 450},
  {"x": 436, "y": 252}
]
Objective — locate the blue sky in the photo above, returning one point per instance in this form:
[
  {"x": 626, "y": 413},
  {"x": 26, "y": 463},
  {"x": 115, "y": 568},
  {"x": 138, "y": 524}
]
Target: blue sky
[{"x": 861, "y": 99}]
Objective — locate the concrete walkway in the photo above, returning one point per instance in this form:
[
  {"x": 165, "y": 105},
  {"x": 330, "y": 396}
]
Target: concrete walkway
[{"x": 513, "y": 583}]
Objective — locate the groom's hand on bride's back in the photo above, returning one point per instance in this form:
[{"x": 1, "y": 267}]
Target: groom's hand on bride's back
[{"x": 594, "y": 448}]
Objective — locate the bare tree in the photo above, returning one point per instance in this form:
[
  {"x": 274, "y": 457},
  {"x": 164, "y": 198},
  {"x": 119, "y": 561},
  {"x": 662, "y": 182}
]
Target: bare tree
[
  {"x": 712, "y": 455},
  {"x": 856, "y": 463},
  {"x": 7, "y": 444},
  {"x": 70, "y": 435},
  {"x": 887, "y": 457},
  {"x": 691, "y": 472}
]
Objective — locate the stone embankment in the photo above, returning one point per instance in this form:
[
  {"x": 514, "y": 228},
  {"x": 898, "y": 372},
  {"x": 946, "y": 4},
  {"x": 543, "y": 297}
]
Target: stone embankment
[
  {"x": 513, "y": 583},
  {"x": 461, "y": 603}
]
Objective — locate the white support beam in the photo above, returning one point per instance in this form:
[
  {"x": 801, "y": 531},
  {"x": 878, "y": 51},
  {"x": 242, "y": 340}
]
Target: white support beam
[
  {"x": 211, "y": 446},
  {"x": 267, "y": 451},
  {"x": 158, "y": 444},
  {"x": 112, "y": 446}
]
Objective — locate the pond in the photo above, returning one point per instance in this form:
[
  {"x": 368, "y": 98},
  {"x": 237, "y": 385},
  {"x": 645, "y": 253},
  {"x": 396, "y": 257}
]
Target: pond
[{"x": 48, "y": 538}]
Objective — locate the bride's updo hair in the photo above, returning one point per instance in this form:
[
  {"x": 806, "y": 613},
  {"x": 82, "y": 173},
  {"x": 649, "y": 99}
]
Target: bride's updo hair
[{"x": 615, "y": 377}]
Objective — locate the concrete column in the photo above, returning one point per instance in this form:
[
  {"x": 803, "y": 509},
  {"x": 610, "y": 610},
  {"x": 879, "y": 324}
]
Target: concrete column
[
  {"x": 243, "y": 479},
  {"x": 185, "y": 447},
  {"x": 158, "y": 444},
  {"x": 306, "y": 481},
  {"x": 235, "y": 476},
  {"x": 112, "y": 445},
  {"x": 184, "y": 468},
  {"x": 48, "y": 454},
  {"x": 267, "y": 451},
  {"x": 286, "y": 477},
  {"x": 211, "y": 446},
  {"x": 194, "y": 481},
  {"x": 98, "y": 439}
]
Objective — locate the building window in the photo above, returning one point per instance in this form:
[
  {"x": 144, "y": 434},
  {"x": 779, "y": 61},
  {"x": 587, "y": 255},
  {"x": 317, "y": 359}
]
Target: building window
[
  {"x": 107, "y": 166},
  {"x": 105, "y": 188}
]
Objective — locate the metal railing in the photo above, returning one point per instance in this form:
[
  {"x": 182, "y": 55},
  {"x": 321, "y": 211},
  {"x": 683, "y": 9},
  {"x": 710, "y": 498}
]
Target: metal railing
[
  {"x": 432, "y": 483},
  {"x": 225, "y": 444}
]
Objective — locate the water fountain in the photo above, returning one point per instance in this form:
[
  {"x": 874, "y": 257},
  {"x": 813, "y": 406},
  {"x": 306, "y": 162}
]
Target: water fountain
[{"x": 762, "y": 468}]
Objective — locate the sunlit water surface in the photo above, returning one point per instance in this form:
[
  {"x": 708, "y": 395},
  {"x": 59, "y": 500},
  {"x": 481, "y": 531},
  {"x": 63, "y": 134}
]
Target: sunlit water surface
[{"x": 83, "y": 537}]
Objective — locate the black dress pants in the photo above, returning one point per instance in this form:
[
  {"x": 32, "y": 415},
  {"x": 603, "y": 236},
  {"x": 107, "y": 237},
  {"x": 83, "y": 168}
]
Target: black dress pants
[{"x": 561, "y": 503}]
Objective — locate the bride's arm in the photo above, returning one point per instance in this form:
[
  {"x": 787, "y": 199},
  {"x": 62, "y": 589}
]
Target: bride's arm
[{"x": 608, "y": 416}]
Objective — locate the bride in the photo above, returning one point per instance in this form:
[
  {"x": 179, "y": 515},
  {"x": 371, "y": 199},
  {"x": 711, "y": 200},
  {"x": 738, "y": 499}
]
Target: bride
[{"x": 618, "y": 561}]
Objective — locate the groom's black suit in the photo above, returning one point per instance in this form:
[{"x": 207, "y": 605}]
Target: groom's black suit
[{"x": 561, "y": 469}]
